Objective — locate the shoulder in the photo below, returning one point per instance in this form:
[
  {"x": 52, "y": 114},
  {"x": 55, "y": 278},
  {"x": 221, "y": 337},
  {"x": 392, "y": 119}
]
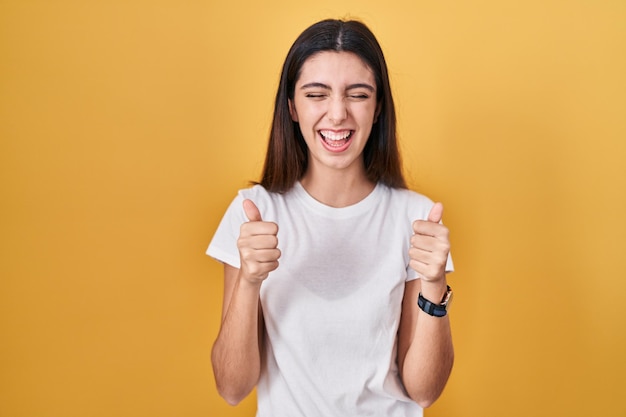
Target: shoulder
[
  {"x": 259, "y": 195},
  {"x": 270, "y": 204},
  {"x": 410, "y": 196},
  {"x": 408, "y": 203},
  {"x": 254, "y": 192}
]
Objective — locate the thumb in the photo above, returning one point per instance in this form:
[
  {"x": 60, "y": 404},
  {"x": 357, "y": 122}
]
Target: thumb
[
  {"x": 436, "y": 213},
  {"x": 252, "y": 212}
]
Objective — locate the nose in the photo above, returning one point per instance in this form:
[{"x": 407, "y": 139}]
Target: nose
[{"x": 337, "y": 110}]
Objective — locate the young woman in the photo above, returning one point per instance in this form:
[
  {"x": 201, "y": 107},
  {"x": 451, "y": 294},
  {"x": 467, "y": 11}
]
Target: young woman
[{"x": 323, "y": 309}]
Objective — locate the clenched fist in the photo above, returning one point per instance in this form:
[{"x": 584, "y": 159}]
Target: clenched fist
[
  {"x": 430, "y": 246},
  {"x": 258, "y": 245}
]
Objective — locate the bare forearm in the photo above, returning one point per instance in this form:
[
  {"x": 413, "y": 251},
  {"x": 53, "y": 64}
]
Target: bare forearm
[
  {"x": 236, "y": 355},
  {"x": 430, "y": 355},
  {"x": 428, "y": 361}
]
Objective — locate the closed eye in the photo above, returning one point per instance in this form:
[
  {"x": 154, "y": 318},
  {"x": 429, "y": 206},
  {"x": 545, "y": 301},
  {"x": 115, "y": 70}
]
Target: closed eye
[{"x": 315, "y": 95}]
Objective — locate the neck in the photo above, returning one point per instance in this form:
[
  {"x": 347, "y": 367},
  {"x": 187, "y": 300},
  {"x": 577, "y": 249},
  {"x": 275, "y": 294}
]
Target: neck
[{"x": 337, "y": 188}]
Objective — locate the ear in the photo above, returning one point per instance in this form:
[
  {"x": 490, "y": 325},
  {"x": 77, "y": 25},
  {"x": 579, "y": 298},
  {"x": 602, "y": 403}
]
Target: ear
[{"x": 292, "y": 111}]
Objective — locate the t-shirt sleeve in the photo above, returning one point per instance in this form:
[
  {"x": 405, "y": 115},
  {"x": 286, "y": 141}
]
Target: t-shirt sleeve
[{"x": 223, "y": 246}]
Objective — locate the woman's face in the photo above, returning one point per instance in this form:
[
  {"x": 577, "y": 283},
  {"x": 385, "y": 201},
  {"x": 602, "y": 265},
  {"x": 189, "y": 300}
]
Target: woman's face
[{"x": 335, "y": 105}]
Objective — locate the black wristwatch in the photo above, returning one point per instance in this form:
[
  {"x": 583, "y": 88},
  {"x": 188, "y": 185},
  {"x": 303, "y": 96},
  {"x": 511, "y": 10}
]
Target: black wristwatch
[{"x": 437, "y": 310}]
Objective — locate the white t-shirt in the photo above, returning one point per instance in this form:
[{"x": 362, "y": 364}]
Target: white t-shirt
[{"x": 332, "y": 307}]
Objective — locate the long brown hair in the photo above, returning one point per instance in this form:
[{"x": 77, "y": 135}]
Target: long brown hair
[{"x": 286, "y": 160}]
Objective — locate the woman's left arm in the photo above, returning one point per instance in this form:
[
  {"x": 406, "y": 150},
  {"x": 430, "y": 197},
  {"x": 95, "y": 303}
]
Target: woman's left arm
[{"x": 425, "y": 352}]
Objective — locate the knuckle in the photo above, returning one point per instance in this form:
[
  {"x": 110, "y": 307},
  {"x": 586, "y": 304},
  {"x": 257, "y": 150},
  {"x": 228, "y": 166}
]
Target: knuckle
[{"x": 244, "y": 241}]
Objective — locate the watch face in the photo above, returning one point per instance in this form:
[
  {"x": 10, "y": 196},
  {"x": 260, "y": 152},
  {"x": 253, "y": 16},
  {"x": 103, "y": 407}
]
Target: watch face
[{"x": 447, "y": 299}]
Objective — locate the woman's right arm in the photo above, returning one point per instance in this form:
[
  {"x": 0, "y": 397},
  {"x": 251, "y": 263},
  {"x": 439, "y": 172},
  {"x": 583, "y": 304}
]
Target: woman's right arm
[{"x": 236, "y": 354}]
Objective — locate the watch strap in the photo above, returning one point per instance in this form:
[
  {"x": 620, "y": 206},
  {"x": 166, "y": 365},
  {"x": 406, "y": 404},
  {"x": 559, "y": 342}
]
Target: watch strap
[{"x": 430, "y": 308}]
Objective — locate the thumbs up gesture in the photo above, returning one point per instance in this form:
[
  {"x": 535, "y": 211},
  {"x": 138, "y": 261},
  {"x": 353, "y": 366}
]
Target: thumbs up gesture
[
  {"x": 430, "y": 246},
  {"x": 258, "y": 245}
]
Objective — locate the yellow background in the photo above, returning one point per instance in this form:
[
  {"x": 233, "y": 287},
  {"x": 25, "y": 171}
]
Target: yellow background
[{"x": 127, "y": 126}]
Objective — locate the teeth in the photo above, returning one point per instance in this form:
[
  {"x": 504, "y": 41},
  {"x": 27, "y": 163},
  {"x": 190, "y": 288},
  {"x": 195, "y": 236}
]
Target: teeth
[{"x": 330, "y": 135}]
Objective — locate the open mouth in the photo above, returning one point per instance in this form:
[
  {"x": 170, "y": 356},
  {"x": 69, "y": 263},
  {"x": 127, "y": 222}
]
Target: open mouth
[{"x": 336, "y": 139}]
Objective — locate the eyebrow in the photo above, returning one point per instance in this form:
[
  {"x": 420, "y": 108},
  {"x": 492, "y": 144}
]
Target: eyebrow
[{"x": 327, "y": 87}]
